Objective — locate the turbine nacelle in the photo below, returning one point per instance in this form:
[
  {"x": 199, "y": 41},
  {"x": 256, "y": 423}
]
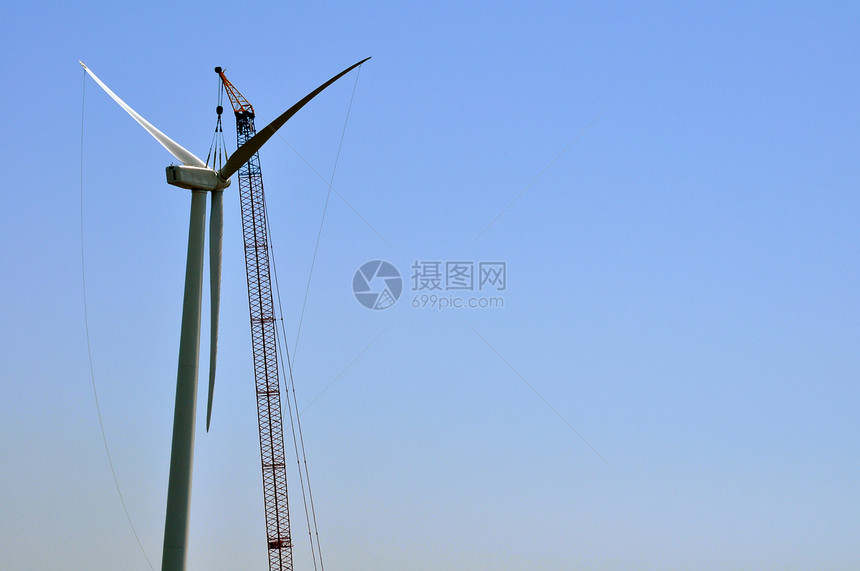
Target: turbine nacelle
[{"x": 195, "y": 178}]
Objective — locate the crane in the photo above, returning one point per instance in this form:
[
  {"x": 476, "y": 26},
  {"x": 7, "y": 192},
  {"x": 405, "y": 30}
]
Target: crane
[
  {"x": 263, "y": 338},
  {"x": 263, "y": 327}
]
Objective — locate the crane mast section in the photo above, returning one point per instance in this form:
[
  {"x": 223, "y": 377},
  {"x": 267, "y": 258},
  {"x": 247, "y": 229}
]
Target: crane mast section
[{"x": 263, "y": 340}]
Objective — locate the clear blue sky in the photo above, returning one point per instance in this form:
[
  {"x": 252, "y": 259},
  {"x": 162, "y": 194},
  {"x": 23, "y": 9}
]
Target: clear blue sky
[{"x": 682, "y": 283}]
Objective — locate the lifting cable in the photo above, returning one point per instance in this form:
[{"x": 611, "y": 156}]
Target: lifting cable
[
  {"x": 325, "y": 209},
  {"x": 287, "y": 375},
  {"x": 218, "y": 146},
  {"x": 89, "y": 344},
  {"x": 298, "y": 438}
]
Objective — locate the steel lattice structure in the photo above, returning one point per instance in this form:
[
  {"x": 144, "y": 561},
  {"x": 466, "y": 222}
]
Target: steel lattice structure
[
  {"x": 264, "y": 342},
  {"x": 263, "y": 326}
]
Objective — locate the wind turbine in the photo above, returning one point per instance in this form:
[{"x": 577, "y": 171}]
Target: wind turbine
[{"x": 194, "y": 175}]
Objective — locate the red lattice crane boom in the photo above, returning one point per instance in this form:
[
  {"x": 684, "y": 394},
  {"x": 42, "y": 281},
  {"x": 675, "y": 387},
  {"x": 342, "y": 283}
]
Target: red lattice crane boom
[
  {"x": 263, "y": 331},
  {"x": 263, "y": 339}
]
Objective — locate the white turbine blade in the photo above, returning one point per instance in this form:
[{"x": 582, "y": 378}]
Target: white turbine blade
[
  {"x": 246, "y": 151},
  {"x": 216, "y": 235},
  {"x": 174, "y": 148}
]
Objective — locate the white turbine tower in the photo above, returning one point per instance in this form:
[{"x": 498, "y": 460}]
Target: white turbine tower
[{"x": 194, "y": 175}]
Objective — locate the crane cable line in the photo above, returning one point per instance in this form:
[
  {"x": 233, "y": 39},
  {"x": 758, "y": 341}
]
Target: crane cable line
[
  {"x": 325, "y": 209},
  {"x": 288, "y": 383},
  {"x": 89, "y": 344},
  {"x": 295, "y": 346},
  {"x": 298, "y": 439},
  {"x": 218, "y": 146}
]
